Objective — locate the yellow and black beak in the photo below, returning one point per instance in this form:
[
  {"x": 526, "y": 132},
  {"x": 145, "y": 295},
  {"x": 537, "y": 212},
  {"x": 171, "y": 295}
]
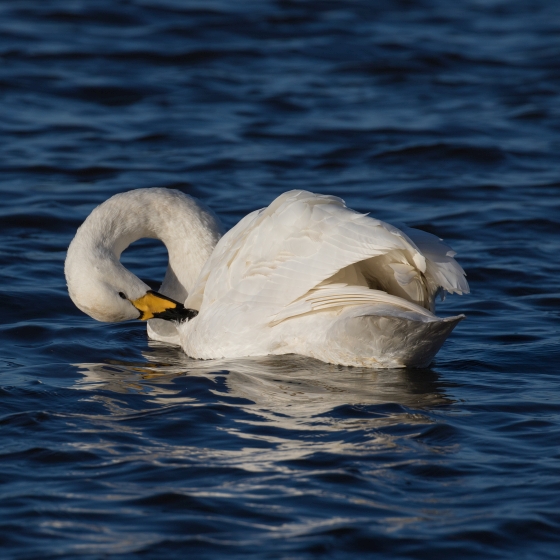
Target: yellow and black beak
[{"x": 157, "y": 306}]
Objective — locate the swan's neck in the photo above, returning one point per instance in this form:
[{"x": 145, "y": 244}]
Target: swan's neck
[{"x": 188, "y": 230}]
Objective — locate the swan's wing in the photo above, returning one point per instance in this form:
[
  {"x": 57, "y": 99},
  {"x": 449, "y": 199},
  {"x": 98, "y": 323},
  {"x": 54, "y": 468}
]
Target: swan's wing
[
  {"x": 276, "y": 255},
  {"x": 442, "y": 270},
  {"x": 336, "y": 296},
  {"x": 218, "y": 261}
]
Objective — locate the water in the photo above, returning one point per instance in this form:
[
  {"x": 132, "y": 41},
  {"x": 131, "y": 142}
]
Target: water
[{"x": 442, "y": 115}]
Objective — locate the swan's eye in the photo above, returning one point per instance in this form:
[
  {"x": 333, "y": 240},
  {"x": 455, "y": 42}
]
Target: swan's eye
[{"x": 123, "y": 295}]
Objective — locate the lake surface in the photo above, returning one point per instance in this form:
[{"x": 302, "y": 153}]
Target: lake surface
[{"x": 442, "y": 115}]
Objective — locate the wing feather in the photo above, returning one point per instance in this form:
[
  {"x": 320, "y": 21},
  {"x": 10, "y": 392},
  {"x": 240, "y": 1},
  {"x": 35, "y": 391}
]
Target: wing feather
[
  {"x": 443, "y": 271},
  {"x": 333, "y": 296}
]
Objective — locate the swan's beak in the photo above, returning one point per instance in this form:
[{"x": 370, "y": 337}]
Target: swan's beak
[{"x": 158, "y": 306}]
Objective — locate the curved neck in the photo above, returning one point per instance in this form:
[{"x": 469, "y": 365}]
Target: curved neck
[{"x": 188, "y": 230}]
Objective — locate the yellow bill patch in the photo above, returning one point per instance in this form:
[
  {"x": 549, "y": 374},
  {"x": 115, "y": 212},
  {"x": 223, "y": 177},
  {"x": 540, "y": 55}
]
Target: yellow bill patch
[{"x": 153, "y": 304}]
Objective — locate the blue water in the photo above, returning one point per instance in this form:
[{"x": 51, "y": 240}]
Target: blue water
[{"x": 442, "y": 115}]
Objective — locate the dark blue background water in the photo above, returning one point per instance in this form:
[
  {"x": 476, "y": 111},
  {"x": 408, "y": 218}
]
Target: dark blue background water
[{"x": 443, "y": 115}]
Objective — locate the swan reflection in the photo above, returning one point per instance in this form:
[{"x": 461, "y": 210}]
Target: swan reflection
[
  {"x": 288, "y": 391},
  {"x": 278, "y": 409}
]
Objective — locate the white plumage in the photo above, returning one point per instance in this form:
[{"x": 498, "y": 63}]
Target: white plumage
[{"x": 305, "y": 275}]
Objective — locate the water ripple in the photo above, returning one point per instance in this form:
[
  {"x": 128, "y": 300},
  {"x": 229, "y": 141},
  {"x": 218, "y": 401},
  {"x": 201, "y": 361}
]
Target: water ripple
[{"x": 440, "y": 115}]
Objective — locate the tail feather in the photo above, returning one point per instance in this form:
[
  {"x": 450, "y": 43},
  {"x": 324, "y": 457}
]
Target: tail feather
[{"x": 386, "y": 340}]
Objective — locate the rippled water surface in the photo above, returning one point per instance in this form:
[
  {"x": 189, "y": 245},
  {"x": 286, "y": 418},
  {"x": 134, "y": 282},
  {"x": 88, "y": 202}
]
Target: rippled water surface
[{"x": 442, "y": 115}]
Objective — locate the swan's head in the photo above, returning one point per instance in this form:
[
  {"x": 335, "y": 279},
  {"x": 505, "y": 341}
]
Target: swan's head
[
  {"x": 103, "y": 288},
  {"x": 100, "y": 286}
]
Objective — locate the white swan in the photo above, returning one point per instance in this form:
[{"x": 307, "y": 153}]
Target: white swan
[{"x": 305, "y": 275}]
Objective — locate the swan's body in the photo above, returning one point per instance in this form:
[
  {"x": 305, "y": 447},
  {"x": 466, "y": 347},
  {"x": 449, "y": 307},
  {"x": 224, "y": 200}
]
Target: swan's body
[{"x": 305, "y": 275}]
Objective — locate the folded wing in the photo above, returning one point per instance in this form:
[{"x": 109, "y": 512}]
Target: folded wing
[{"x": 308, "y": 251}]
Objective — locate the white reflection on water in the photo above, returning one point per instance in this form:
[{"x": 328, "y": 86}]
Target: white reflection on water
[
  {"x": 284, "y": 408},
  {"x": 291, "y": 391}
]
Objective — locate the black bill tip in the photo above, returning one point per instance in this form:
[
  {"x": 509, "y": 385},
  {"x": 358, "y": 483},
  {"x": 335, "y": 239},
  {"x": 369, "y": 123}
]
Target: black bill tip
[{"x": 178, "y": 313}]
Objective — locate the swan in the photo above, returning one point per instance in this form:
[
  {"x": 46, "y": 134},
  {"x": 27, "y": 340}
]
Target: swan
[{"x": 306, "y": 275}]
